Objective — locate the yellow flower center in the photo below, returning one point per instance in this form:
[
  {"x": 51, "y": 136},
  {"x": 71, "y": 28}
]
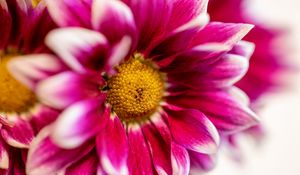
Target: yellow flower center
[
  {"x": 136, "y": 90},
  {"x": 14, "y": 97},
  {"x": 35, "y": 2}
]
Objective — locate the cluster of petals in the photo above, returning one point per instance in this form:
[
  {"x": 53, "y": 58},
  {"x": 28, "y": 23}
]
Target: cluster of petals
[{"x": 200, "y": 60}]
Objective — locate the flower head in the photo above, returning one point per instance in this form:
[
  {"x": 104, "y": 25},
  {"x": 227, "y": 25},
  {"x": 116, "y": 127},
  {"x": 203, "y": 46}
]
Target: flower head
[
  {"x": 20, "y": 110},
  {"x": 141, "y": 86}
]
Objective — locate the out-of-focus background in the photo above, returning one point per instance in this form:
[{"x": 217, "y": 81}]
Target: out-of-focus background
[{"x": 279, "y": 154}]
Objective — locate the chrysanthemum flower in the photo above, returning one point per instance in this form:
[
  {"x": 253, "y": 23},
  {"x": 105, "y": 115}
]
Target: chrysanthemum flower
[
  {"x": 146, "y": 85},
  {"x": 22, "y": 31}
]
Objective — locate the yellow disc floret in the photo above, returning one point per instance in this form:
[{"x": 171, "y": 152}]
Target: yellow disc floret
[
  {"x": 35, "y": 2},
  {"x": 14, "y": 97},
  {"x": 136, "y": 90}
]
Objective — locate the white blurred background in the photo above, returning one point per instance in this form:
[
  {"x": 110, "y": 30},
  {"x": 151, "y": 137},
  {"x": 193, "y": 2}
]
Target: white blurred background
[{"x": 279, "y": 154}]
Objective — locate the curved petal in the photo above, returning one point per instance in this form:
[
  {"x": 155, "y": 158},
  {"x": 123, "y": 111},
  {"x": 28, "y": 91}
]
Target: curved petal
[
  {"x": 112, "y": 147},
  {"x": 45, "y": 157},
  {"x": 151, "y": 18},
  {"x": 114, "y": 19},
  {"x": 19, "y": 133},
  {"x": 192, "y": 129},
  {"x": 139, "y": 158},
  {"x": 70, "y": 13},
  {"x": 66, "y": 88},
  {"x": 4, "y": 158},
  {"x": 201, "y": 162},
  {"x": 227, "y": 109},
  {"x": 79, "y": 48},
  {"x": 180, "y": 160},
  {"x": 79, "y": 122},
  {"x": 5, "y": 23},
  {"x": 31, "y": 69},
  {"x": 43, "y": 116},
  {"x": 86, "y": 166},
  {"x": 158, "y": 139},
  {"x": 185, "y": 10},
  {"x": 217, "y": 32}
]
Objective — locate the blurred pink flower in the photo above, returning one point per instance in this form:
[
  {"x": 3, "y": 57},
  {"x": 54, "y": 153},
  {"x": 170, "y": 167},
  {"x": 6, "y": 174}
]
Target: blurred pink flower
[
  {"x": 143, "y": 86},
  {"x": 22, "y": 32}
]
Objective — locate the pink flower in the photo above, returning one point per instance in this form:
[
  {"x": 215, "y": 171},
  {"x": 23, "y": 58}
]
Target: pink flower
[
  {"x": 22, "y": 32},
  {"x": 144, "y": 85}
]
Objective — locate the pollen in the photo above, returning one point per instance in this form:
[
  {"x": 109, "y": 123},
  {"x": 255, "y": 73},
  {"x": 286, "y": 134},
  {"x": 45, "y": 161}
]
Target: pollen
[
  {"x": 14, "y": 97},
  {"x": 35, "y": 2},
  {"x": 136, "y": 90}
]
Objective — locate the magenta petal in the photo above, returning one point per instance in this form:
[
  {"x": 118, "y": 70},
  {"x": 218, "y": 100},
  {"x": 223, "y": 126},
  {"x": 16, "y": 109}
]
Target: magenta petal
[
  {"x": 86, "y": 166},
  {"x": 201, "y": 162},
  {"x": 192, "y": 129},
  {"x": 151, "y": 18},
  {"x": 159, "y": 146},
  {"x": 114, "y": 19},
  {"x": 180, "y": 160},
  {"x": 70, "y": 13},
  {"x": 31, "y": 69},
  {"x": 66, "y": 88},
  {"x": 79, "y": 48},
  {"x": 4, "y": 157},
  {"x": 45, "y": 157},
  {"x": 185, "y": 10},
  {"x": 79, "y": 122},
  {"x": 43, "y": 116},
  {"x": 227, "y": 109},
  {"x": 5, "y": 23},
  {"x": 112, "y": 147},
  {"x": 19, "y": 133},
  {"x": 139, "y": 158},
  {"x": 226, "y": 33}
]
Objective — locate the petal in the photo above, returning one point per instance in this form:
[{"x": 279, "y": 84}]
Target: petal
[
  {"x": 5, "y": 23},
  {"x": 217, "y": 32},
  {"x": 4, "y": 158},
  {"x": 112, "y": 147},
  {"x": 229, "y": 69},
  {"x": 180, "y": 160},
  {"x": 201, "y": 162},
  {"x": 79, "y": 122},
  {"x": 70, "y": 13},
  {"x": 185, "y": 10},
  {"x": 139, "y": 159},
  {"x": 223, "y": 107},
  {"x": 19, "y": 133},
  {"x": 43, "y": 116},
  {"x": 158, "y": 145},
  {"x": 66, "y": 88},
  {"x": 192, "y": 129},
  {"x": 79, "y": 48},
  {"x": 114, "y": 19},
  {"x": 45, "y": 157},
  {"x": 31, "y": 69},
  {"x": 86, "y": 166},
  {"x": 151, "y": 18}
]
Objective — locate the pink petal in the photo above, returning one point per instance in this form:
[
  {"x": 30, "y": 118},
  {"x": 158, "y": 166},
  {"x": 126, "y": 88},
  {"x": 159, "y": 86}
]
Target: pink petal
[
  {"x": 192, "y": 129},
  {"x": 43, "y": 116},
  {"x": 226, "y": 33},
  {"x": 114, "y": 19},
  {"x": 112, "y": 147},
  {"x": 185, "y": 10},
  {"x": 86, "y": 166},
  {"x": 151, "y": 18},
  {"x": 180, "y": 160},
  {"x": 159, "y": 146},
  {"x": 225, "y": 108},
  {"x": 19, "y": 133},
  {"x": 79, "y": 48},
  {"x": 79, "y": 122},
  {"x": 31, "y": 69},
  {"x": 139, "y": 158},
  {"x": 66, "y": 88},
  {"x": 4, "y": 157},
  {"x": 201, "y": 162},
  {"x": 5, "y": 23},
  {"x": 45, "y": 157},
  {"x": 70, "y": 13}
]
